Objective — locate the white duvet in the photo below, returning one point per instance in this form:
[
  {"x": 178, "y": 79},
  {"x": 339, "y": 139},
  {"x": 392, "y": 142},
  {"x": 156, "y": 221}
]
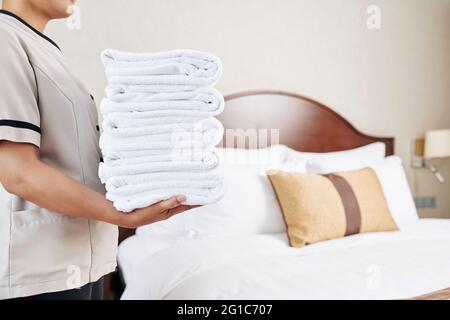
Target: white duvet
[{"x": 369, "y": 266}]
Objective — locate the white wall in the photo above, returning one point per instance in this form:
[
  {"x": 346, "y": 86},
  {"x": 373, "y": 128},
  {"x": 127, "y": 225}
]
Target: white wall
[{"x": 393, "y": 82}]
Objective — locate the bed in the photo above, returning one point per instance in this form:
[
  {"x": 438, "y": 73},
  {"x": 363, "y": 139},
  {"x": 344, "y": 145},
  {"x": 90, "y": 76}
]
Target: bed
[{"x": 413, "y": 263}]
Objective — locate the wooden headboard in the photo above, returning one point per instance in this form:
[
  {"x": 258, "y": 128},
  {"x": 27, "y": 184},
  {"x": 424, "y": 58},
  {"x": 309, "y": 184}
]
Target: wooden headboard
[{"x": 303, "y": 123}]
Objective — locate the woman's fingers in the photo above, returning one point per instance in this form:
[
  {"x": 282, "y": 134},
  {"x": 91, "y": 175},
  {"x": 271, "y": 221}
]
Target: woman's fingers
[
  {"x": 160, "y": 211},
  {"x": 173, "y": 202}
]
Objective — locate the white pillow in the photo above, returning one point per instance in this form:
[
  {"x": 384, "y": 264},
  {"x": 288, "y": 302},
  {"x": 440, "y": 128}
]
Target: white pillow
[
  {"x": 249, "y": 205},
  {"x": 347, "y": 160},
  {"x": 396, "y": 189}
]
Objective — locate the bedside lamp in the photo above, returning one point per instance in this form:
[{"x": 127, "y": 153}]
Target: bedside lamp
[{"x": 437, "y": 145}]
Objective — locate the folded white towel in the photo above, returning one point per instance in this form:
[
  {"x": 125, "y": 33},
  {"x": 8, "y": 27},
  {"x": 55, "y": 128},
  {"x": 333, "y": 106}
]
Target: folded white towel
[
  {"x": 152, "y": 88},
  {"x": 203, "y": 99},
  {"x": 186, "y": 114},
  {"x": 120, "y": 93},
  {"x": 174, "y": 140},
  {"x": 149, "y": 129},
  {"x": 123, "y": 120},
  {"x": 139, "y": 191},
  {"x": 194, "y": 196},
  {"x": 108, "y": 106},
  {"x": 107, "y": 171},
  {"x": 173, "y": 83},
  {"x": 122, "y": 146},
  {"x": 115, "y": 184},
  {"x": 173, "y": 69},
  {"x": 174, "y": 62},
  {"x": 128, "y": 187},
  {"x": 174, "y": 155}
]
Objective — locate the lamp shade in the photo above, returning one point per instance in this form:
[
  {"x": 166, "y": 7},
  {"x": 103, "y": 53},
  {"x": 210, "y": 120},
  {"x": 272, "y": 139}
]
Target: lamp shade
[{"x": 437, "y": 144}]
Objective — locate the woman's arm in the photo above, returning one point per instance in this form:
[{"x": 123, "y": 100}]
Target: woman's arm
[{"x": 22, "y": 173}]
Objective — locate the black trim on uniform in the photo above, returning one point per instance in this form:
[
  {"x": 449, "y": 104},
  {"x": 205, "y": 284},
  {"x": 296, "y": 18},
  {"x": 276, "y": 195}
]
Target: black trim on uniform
[
  {"x": 8, "y": 13},
  {"x": 20, "y": 124}
]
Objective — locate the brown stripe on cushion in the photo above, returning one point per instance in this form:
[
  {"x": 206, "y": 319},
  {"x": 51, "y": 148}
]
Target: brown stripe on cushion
[{"x": 350, "y": 202}]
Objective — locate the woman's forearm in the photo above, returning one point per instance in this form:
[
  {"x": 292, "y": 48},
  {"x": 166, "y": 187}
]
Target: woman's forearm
[
  {"x": 23, "y": 173},
  {"x": 51, "y": 189}
]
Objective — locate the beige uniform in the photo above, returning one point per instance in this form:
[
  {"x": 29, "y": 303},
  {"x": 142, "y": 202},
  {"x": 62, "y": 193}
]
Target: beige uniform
[{"x": 44, "y": 104}]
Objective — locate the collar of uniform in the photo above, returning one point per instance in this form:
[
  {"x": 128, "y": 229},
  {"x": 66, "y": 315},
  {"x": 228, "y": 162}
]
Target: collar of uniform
[{"x": 29, "y": 26}]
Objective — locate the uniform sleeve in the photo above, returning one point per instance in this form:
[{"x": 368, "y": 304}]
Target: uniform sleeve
[{"x": 19, "y": 112}]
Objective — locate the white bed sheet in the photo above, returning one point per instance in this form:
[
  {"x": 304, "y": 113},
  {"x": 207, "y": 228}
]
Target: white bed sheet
[{"x": 388, "y": 265}]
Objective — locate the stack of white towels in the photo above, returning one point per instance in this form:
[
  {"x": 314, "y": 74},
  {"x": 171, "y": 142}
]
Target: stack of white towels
[{"x": 159, "y": 131}]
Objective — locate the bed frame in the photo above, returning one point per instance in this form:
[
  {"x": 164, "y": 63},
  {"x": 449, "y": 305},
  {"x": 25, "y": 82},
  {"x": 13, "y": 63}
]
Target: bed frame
[{"x": 303, "y": 123}]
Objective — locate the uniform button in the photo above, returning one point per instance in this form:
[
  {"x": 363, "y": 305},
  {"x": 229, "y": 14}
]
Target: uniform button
[
  {"x": 92, "y": 97},
  {"x": 98, "y": 128}
]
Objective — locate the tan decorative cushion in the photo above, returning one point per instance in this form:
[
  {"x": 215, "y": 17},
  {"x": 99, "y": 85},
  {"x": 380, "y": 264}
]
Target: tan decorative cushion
[{"x": 322, "y": 207}]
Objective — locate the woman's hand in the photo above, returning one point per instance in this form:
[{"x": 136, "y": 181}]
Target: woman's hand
[{"x": 159, "y": 211}]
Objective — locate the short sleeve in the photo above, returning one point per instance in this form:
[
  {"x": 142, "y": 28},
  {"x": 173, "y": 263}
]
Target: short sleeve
[{"x": 19, "y": 111}]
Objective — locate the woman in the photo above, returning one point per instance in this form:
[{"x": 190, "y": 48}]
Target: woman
[{"x": 57, "y": 230}]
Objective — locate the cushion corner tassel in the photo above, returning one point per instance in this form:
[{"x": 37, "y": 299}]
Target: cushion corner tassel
[{"x": 159, "y": 129}]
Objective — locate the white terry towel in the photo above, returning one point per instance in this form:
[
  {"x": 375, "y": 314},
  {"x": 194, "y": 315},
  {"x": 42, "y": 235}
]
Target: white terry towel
[
  {"x": 128, "y": 191},
  {"x": 203, "y": 99},
  {"x": 196, "y": 192},
  {"x": 140, "y": 191},
  {"x": 209, "y": 155},
  {"x": 124, "y": 120},
  {"x": 107, "y": 171},
  {"x": 175, "y": 153},
  {"x": 127, "y": 185},
  {"x": 171, "y": 68},
  {"x": 161, "y": 83},
  {"x": 151, "y": 88},
  {"x": 186, "y": 115},
  {"x": 149, "y": 127},
  {"x": 174, "y": 140},
  {"x": 121, "y": 93},
  {"x": 174, "y": 62}
]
